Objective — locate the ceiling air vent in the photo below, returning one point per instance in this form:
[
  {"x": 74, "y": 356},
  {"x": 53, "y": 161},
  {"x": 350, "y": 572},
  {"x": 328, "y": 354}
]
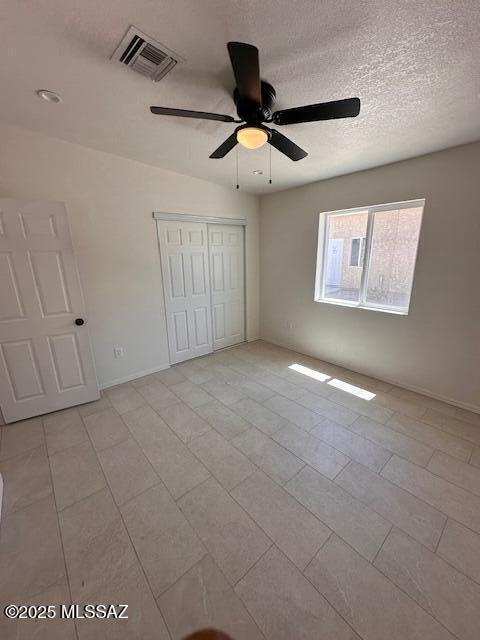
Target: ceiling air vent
[{"x": 146, "y": 56}]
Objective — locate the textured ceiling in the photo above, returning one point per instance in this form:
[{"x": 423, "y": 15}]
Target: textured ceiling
[{"x": 415, "y": 66}]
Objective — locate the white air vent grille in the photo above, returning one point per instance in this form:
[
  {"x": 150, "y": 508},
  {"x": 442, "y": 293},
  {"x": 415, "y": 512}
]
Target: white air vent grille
[{"x": 145, "y": 56}]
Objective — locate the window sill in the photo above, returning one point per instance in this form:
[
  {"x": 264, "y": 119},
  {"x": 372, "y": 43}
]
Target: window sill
[{"x": 357, "y": 305}]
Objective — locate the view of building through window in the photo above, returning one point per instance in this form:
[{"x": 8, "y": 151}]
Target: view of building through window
[{"x": 369, "y": 256}]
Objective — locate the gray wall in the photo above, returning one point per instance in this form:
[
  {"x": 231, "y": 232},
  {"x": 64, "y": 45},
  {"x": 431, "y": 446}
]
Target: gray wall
[{"x": 436, "y": 348}]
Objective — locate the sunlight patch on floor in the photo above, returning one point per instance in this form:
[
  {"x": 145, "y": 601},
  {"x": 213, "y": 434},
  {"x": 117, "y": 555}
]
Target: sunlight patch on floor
[
  {"x": 350, "y": 388},
  {"x": 311, "y": 373}
]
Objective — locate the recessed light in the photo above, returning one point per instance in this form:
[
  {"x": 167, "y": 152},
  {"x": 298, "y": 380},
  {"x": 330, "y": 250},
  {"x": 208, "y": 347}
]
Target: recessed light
[
  {"x": 49, "y": 96},
  {"x": 258, "y": 172}
]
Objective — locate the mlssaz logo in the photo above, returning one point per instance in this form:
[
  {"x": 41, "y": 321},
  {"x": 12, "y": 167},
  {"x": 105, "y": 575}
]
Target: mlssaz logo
[{"x": 94, "y": 611}]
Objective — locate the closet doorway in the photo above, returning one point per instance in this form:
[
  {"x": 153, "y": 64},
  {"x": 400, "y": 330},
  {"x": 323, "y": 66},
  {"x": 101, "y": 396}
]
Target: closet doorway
[{"x": 203, "y": 274}]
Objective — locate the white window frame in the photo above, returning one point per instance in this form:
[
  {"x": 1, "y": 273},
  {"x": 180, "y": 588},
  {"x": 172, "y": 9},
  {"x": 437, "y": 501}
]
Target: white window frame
[
  {"x": 361, "y": 252},
  {"x": 323, "y": 229}
]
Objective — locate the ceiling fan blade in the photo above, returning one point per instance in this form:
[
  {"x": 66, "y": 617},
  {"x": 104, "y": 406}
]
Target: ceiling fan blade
[
  {"x": 225, "y": 147},
  {"x": 323, "y": 111},
  {"x": 244, "y": 59},
  {"x": 286, "y": 146},
  {"x": 185, "y": 113}
]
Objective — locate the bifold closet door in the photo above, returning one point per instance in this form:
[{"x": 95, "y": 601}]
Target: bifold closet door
[
  {"x": 184, "y": 259},
  {"x": 227, "y": 284}
]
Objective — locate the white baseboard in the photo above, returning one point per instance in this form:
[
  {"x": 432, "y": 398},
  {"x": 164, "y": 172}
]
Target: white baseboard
[
  {"x": 133, "y": 376},
  {"x": 423, "y": 392}
]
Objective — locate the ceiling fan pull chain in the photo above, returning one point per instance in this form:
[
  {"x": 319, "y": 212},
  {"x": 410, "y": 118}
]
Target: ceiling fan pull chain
[
  {"x": 270, "y": 177},
  {"x": 236, "y": 162}
]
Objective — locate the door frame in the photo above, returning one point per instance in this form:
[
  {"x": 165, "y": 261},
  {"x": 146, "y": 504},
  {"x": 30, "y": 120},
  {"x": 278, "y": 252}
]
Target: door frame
[{"x": 163, "y": 216}]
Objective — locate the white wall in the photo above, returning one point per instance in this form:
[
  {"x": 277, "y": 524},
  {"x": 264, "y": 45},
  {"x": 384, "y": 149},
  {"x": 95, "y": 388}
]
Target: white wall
[
  {"x": 110, "y": 202},
  {"x": 436, "y": 348}
]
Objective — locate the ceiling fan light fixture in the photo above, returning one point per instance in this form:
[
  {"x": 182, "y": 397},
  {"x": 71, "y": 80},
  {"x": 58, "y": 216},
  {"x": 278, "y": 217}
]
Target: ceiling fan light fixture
[{"x": 252, "y": 137}]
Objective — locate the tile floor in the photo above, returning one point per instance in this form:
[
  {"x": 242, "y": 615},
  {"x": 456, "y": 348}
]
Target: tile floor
[{"x": 236, "y": 492}]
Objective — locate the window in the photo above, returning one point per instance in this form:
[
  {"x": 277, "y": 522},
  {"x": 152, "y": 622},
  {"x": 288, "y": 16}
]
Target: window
[
  {"x": 357, "y": 252},
  {"x": 366, "y": 256}
]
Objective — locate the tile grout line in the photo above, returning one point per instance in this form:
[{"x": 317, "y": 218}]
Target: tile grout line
[
  {"x": 107, "y": 486},
  {"x": 67, "y": 575}
]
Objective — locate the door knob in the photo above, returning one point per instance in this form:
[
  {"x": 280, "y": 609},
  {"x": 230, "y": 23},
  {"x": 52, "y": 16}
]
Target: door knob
[{"x": 79, "y": 322}]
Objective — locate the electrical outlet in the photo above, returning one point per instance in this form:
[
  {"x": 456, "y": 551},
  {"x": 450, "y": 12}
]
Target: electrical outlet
[{"x": 118, "y": 352}]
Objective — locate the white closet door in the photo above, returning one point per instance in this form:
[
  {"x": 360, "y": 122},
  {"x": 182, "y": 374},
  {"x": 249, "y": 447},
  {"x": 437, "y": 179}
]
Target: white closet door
[
  {"x": 46, "y": 361},
  {"x": 184, "y": 258},
  {"x": 227, "y": 283}
]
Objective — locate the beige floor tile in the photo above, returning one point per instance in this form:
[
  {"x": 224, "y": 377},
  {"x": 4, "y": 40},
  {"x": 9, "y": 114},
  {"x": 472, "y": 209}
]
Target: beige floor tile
[
  {"x": 63, "y": 429},
  {"x": 393, "y": 441},
  {"x": 366, "y": 599},
  {"x": 318, "y": 454},
  {"x": 212, "y": 603},
  {"x": 403, "y": 406},
  {"x": 352, "y": 520},
  {"x": 144, "y": 380},
  {"x": 97, "y": 548},
  {"x": 223, "y": 419},
  {"x": 407, "y": 512},
  {"x": 21, "y": 437},
  {"x": 26, "y": 479},
  {"x": 92, "y": 407},
  {"x": 356, "y": 447},
  {"x": 431, "y": 436},
  {"x": 224, "y": 462},
  {"x": 467, "y": 416},
  {"x": 230, "y": 535},
  {"x": 275, "y": 460},
  {"x": 426, "y": 401},
  {"x": 258, "y": 415},
  {"x": 158, "y": 395},
  {"x": 170, "y": 377},
  {"x": 475, "y": 459},
  {"x": 103, "y": 567},
  {"x": 191, "y": 394},
  {"x": 127, "y": 470},
  {"x": 144, "y": 619},
  {"x": 124, "y": 398},
  {"x": 441, "y": 590},
  {"x": 461, "y": 548},
  {"x": 453, "y": 425},
  {"x": 308, "y": 384},
  {"x": 293, "y": 412},
  {"x": 165, "y": 542},
  {"x": 184, "y": 421},
  {"x": 286, "y": 606},
  {"x": 460, "y": 473},
  {"x": 171, "y": 459},
  {"x": 76, "y": 474},
  {"x": 448, "y": 498},
  {"x": 222, "y": 391},
  {"x": 105, "y": 428},
  {"x": 279, "y": 385},
  {"x": 327, "y": 408},
  {"x": 194, "y": 372},
  {"x": 361, "y": 406},
  {"x": 250, "y": 388},
  {"x": 42, "y": 629},
  {"x": 297, "y": 532},
  {"x": 31, "y": 558}
]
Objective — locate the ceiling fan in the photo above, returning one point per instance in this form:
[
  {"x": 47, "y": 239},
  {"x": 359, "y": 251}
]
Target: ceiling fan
[{"x": 254, "y": 99}]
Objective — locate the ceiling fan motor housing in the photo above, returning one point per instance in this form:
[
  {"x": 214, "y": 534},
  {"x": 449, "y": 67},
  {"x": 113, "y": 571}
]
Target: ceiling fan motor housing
[{"x": 253, "y": 113}]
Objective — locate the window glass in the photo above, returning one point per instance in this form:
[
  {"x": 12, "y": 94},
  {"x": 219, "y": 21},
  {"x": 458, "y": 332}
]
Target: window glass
[
  {"x": 342, "y": 280},
  {"x": 392, "y": 256}
]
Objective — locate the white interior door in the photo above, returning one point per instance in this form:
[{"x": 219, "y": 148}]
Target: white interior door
[
  {"x": 228, "y": 287},
  {"x": 46, "y": 360},
  {"x": 184, "y": 258}
]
